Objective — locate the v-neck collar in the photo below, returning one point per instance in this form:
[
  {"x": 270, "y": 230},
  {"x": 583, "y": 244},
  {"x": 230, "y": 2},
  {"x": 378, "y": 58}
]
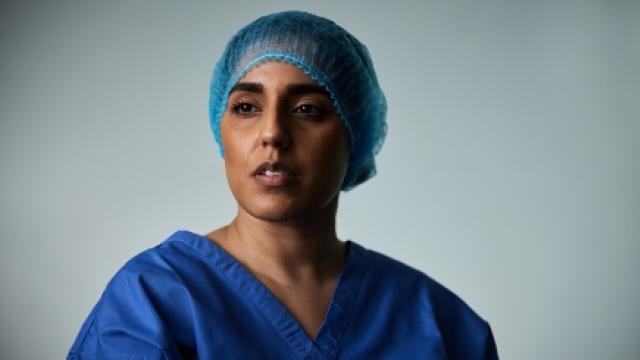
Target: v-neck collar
[{"x": 345, "y": 295}]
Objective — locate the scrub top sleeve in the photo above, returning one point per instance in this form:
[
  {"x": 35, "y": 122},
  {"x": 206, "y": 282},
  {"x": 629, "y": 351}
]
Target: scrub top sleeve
[
  {"x": 128, "y": 321},
  {"x": 465, "y": 334},
  {"x": 491, "y": 351}
]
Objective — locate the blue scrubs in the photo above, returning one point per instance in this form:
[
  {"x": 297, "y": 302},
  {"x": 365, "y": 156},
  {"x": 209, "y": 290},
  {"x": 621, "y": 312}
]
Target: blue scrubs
[{"x": 187, "y": 298}]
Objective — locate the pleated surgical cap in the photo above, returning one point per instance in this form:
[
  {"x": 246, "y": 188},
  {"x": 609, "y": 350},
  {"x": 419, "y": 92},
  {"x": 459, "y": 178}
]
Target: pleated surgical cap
[{"x": 329, "y": 55}]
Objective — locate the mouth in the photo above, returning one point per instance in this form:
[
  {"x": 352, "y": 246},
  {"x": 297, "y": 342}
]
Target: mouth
[
  {"x": 274, "y": 169},
  {"x": 274, "y": 174}
]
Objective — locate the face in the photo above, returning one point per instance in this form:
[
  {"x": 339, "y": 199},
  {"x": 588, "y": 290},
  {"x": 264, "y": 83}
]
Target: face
[{"x": 286, "y": 150}]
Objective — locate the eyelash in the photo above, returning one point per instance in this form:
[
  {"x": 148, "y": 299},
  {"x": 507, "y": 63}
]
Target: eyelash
[
  {"x": 311, "y": 111},
  {"x": 316, "y": 111},
  {"x": 237, "y": 108}
]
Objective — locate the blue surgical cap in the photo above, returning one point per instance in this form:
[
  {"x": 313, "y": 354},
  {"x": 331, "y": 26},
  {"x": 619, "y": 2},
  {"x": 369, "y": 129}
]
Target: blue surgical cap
[{"x": 329, "y": 55}]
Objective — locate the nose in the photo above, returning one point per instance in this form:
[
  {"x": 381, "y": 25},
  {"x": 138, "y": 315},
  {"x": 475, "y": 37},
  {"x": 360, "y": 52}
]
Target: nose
[{"x": 274, "y": 131}]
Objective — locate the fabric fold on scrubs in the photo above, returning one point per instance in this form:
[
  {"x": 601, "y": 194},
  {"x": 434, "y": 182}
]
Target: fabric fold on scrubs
[{"x": 187, "y": 298}]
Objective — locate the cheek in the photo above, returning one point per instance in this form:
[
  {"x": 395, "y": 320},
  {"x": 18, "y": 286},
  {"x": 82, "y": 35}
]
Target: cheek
[
  {"x": 232, "y": 154},
  {"x": 231, "y": 141},
  {"x": 332, "y": 149}
]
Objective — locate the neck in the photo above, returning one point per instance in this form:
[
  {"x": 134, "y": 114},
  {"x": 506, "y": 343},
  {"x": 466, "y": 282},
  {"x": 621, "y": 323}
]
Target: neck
[{"x": 292, "y": 252}]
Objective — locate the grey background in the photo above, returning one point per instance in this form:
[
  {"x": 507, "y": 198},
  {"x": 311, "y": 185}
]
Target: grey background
[{"x": 510, "y": 172}]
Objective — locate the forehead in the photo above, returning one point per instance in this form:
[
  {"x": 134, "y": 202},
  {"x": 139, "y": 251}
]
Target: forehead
[
  {"x": 275, "y": 74},
  {"x": 279, "y": 79}
]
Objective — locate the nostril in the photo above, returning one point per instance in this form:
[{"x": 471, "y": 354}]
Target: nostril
[
  {"x": 276, "y": 140},
  {"x": 280, "y": 144}
]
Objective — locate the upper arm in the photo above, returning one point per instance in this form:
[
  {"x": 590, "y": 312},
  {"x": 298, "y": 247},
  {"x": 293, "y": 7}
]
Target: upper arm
[{"x": 132, "y": 319}]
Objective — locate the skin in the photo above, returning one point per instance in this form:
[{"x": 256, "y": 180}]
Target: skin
[{"x": 286, "y": 236}]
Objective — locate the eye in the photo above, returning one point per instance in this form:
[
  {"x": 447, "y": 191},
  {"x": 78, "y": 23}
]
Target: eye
[
  {"x": 309, "y": 110},
  {"x": 244, "y": 108}
]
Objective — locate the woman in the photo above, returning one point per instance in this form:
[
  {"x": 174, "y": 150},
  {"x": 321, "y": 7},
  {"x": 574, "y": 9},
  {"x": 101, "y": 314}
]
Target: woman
[{"x": 298, "y": 114}]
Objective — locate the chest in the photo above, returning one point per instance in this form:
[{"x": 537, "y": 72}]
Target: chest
[{"x": 308, "y": 305}]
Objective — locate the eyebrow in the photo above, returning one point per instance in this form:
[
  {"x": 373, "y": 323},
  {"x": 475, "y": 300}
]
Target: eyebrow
[
  {"x": 295, "y": 89},
  {"x": 248, "y": 87}
]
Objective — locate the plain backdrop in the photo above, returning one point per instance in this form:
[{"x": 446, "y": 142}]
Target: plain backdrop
[{"x": 510, "y": 172}]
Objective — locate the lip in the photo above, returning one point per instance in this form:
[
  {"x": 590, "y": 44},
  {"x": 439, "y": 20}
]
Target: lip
[{"x": 286, "y": 177}]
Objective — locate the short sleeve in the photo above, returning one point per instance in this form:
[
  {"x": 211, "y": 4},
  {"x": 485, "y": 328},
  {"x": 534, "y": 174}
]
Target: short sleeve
[
  {"x": 465, "y": 334},
  {"x": 133, "y": 319},
  {"x": 490, "y": 350}
]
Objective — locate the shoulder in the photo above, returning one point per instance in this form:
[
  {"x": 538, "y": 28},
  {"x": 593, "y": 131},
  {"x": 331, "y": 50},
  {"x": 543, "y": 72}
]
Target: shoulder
[
  {"x": 163, "y": 260},
  {"x": 154, "y": 270},
  {"x": 405, "y": 277},
  {"x": 164, "y": 277},
  {"x": 183, "y": 260},
  {"x": 464, "y": 332}
]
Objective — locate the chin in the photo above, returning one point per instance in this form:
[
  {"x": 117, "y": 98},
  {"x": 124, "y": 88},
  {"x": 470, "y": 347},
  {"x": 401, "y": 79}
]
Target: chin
[
  {"x": 274, "y": 214},
  {"x": 273, "y": 209}
]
